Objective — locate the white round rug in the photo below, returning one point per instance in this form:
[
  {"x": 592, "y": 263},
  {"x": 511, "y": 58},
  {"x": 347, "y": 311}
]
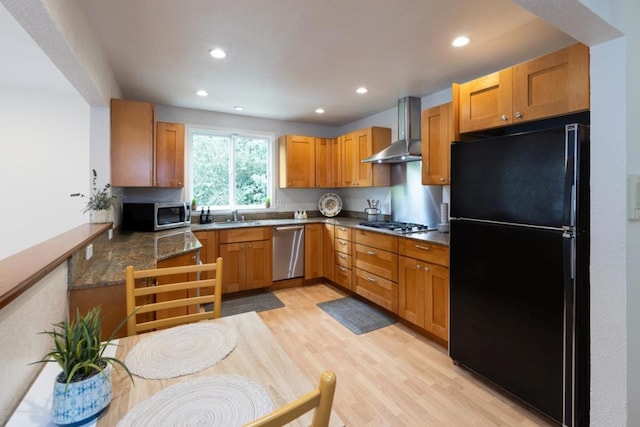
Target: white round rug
[
  {"x": 218, "y": 400},
  {"x": 181, "y": 350}
]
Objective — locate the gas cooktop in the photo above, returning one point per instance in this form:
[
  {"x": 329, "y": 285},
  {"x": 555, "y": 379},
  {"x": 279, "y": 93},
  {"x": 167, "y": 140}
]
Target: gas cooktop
[{"x": 396, "y": 227}]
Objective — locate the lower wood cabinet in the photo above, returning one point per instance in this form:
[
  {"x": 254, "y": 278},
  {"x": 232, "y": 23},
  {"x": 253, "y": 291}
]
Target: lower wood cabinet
[
  {"x": 185, "y": 259},
  {"x": 328, "y": 236},
  {"x": 377, "y": 289},
  {"x": 423, "y": 297},
  {"x": 313, "y": 250},
  {"x": 247, "y": 256}
]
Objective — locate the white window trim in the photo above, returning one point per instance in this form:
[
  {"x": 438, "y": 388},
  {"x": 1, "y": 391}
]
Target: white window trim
[{"x": 271, "y": 169}]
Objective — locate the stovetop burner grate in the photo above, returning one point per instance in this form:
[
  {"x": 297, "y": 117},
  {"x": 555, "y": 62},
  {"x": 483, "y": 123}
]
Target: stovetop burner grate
[{"x": 398, "y": 227}]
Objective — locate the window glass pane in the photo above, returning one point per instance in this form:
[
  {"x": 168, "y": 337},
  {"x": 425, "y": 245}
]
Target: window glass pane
[
  {"x": 251, "y": 162},
  {"x": 210, "y": 169}
]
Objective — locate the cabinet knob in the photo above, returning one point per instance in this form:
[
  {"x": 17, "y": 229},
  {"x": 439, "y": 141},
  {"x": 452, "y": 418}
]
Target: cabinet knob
[
  {"x": 441, "y": 179},
  {"x": 289, "y": 184},
  {"x": 426, "y": 269},
  {"x": 503, "y": 117},
  {"x": 180, "y": 183},
  {"x": 418, "y": 266},
  {"x": 518, "y": 115}
]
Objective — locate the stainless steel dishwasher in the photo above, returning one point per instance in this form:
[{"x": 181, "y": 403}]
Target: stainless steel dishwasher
[{"x": 288, "y": 252}]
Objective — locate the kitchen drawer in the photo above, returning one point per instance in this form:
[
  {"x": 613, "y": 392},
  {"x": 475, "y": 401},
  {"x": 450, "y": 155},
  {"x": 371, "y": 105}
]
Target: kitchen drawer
[
  {"x": 245, "y": 234},
  {"x": 343, "y": 259},
  {"x": 343, "y": 246},
  {"x": 376, "y": 240},
  {"x": 376, "y": 261},
  {"x": 424, "y": 251},
  {"x": 343, "y": 232},
  {"x": 376, "y": 289},
  {"x": 343, "y": 276}
]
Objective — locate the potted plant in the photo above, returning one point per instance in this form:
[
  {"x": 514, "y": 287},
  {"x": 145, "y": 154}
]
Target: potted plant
[
  {"x": 100, "y": 201},
  {"x": 83, "y": 388},
  {"x": 267, "y": 202},
  {"x": 194, "y": 204}
]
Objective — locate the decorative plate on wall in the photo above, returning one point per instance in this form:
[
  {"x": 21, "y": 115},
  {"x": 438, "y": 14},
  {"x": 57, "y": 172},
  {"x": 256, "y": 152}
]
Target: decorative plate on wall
[{"x": 330, "y": 204}]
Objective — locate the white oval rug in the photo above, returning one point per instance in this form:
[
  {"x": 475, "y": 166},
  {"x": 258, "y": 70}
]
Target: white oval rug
[
  {"x": 181, "y": 350},
  {"x": 218, "y": 400}
]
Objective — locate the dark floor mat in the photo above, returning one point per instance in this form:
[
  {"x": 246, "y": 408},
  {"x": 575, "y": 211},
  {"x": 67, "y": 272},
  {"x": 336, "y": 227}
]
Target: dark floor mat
[
  {"x": 259, "y": 302},
  {"x": 356, "y": 315}
]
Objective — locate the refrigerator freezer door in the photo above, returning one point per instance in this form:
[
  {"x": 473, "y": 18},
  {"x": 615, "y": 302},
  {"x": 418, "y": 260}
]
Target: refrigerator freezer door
[
  {"x": 507, "y": 309},
  {"x": 516, "y": 179}
]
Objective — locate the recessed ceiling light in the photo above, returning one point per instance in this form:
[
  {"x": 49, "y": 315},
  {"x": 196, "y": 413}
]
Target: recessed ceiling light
[
  {"x": 461, "y": 41},
  {"x": 202, "y": 92},
  {"x": 362, "y": 90},
  {"x": 319, "y": 110},
  {"x": 238, "y": 108},
  {"x": 217, "y": 53}
]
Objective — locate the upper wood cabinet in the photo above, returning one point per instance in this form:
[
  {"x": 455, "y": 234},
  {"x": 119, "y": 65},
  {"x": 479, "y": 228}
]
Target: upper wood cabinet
[
  {"x": 359, "y": 145},
  {"x": 328, "y": 167},
  {"x": 296, "y": 161},
  {"x": 437, "y": 133},
  {"x": 551, "y": 85},
  {"x": 169, "y": 155},
  {"x": 144, "y": 153},
  {"x": 132, "y": 133}
]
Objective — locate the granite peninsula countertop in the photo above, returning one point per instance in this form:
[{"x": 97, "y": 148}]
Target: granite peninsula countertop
[{"x": 142, "y": 250}]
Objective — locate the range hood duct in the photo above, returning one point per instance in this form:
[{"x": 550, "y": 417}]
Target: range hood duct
[{"x": 408, "y": 147}]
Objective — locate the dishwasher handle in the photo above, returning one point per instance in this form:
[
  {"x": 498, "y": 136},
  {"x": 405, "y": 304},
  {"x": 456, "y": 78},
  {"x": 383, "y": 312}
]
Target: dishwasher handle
[{"x": 291, "y": 227}]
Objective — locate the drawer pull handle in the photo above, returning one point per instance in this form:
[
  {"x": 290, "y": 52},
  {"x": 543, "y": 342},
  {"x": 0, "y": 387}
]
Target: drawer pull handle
[
  {"x": 342, "y": 242},
  {"x": 371, "y": 279},
  {"x": 371, "y": 253},
  {"x": 342, "y": 256},
  {"x": 342, "y": 229},
  {"x": 426, "y": 248},
  {"x": 342, "y": 269}
]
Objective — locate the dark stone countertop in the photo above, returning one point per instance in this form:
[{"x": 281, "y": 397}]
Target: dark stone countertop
[
  {"x": 429, "y": 236},
  {"x": 142, "y": 250}
]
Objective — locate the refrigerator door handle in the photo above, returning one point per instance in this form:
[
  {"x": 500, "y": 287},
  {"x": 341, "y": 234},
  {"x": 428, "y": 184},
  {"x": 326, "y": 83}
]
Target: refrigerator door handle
[
  {"x": 569, "y": 267},
  {"x": 570, "y": 177}
]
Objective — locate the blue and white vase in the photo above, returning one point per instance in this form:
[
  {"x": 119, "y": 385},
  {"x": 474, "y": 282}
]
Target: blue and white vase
[{"x": 82, "y": 401}]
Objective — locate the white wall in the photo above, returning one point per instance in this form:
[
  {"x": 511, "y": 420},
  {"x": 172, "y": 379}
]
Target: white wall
[{"x": 45, "y": 141}]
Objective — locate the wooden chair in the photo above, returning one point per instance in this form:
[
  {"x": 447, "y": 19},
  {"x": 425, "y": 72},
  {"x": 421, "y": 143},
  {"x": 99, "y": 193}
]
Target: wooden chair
[
  {"x": 166, "y": 303},
  {"x": 321, "y": 399}
]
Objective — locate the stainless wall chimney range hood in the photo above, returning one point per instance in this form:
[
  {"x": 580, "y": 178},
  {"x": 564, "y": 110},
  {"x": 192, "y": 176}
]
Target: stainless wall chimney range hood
[{"x": 408, "y": 146}]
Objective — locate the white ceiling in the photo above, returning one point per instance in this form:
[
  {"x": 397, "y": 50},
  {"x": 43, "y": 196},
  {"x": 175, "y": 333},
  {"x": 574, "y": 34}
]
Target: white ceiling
[{"x": 285, "y": 58}]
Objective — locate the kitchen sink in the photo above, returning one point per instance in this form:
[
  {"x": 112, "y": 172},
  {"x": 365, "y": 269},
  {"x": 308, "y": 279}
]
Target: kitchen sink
[{"x": 237, "y": 224}]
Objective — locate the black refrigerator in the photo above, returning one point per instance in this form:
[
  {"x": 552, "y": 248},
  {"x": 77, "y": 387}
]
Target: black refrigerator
[{"x": 519, "y": 290}]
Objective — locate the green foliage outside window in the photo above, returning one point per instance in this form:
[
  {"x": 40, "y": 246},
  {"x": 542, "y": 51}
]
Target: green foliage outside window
[{"x": 229, "y": 170}]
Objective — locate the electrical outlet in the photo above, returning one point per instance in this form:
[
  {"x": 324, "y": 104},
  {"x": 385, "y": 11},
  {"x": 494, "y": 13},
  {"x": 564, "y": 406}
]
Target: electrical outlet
[
  {"x": 280, "y": 203},
  {"x": 88, "y": 252},
  {"x": 110, "y": 233}
]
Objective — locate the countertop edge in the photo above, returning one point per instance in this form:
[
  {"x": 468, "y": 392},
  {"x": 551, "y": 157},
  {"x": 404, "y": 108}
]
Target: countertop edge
[{"x": 23, "y": 269}]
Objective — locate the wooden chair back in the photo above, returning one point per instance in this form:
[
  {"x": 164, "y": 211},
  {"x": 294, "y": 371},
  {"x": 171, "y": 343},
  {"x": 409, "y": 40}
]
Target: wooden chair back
[
  {"x": 321, "y": 399},
  {"x": 167, "y": 302}
]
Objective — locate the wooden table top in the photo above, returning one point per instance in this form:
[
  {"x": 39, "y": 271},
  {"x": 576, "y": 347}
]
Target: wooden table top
[{"x": 257, "y": 356}]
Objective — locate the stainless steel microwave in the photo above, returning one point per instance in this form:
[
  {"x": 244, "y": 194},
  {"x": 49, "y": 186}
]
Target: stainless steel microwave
[{"x": 155, "y": 216}]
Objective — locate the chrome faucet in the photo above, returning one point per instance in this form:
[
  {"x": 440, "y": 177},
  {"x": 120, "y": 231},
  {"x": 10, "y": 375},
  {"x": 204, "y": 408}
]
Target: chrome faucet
[{"x": 234, "y": 215}]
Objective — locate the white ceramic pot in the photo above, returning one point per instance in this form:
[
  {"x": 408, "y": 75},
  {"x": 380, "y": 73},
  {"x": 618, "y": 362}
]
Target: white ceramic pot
[
  {"x": 101, "y": 216},
  {"x": 82, "y": 400}
]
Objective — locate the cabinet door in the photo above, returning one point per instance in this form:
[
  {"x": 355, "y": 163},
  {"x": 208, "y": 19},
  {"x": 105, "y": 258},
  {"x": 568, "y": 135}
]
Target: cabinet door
[
  {"x": 296, "y": 161},
  {"x": 436, "y": 302},
  {"x": 363, "y": 146},
  {"x": 411, "y": 299},
  {"x": 324, "y": 155},
  {"x": 208, "y": 253},
  {"x": 486, "y": 102},
  {"x": 328, "y": 251},
  {"x": 552, "y": 85},
  {"x": 132, "y": 130},
  {"x": 337, "y": 166},
  {"x": 258, "y": 264},
  {"x": 186, "y": 259},
  {"x": 313, "y": 250},
  {"x": 437, "y": 134},
  {"x": 233, "y": 277},
  {"x": 169, "y": 155},
  {"x": 349, "y": 160}
]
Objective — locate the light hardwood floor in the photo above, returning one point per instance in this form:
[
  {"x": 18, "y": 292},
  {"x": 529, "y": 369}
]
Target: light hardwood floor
[{"x": 388, "y": 377}]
